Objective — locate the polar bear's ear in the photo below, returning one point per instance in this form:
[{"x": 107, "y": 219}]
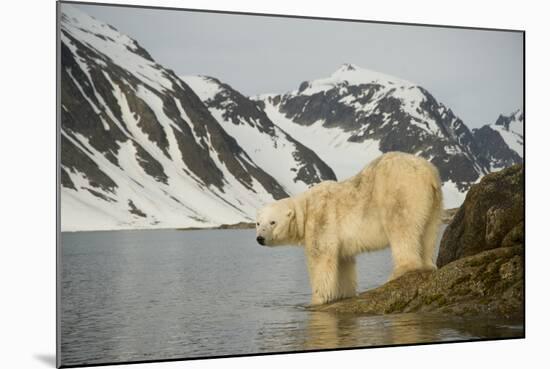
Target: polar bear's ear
[{"x": 290, "y": 213}]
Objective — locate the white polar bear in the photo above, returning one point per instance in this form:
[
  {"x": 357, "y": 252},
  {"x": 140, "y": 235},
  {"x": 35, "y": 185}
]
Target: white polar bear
[{"x": 395, "y": 200}]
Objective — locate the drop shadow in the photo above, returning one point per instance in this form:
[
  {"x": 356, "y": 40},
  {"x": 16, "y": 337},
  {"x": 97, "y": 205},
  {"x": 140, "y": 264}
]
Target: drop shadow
[{"x": 48, "y": 359}]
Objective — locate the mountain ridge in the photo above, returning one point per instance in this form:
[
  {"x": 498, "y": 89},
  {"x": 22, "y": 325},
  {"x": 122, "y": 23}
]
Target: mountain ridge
[
  {"x": 138, "y": 147},
  {"x": 369, "y": 113}
]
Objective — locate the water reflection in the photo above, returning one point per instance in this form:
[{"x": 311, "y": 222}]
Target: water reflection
[{"x": 327, "y": 330}]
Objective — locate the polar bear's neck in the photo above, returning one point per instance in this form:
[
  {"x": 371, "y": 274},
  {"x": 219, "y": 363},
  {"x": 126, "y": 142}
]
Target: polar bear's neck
[{"x": 297, "y": 226}]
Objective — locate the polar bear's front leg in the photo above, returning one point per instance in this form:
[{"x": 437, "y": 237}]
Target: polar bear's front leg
[{"x": 323, "y": 276}]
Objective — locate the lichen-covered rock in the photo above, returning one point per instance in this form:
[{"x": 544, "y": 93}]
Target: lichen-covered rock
[
  {"x": 489, "y": 283},
  {"x": 492, "y": 216}
]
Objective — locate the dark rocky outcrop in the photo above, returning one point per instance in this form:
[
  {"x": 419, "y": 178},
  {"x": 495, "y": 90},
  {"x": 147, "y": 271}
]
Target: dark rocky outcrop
[
  {"x": 493, "y": 146},
  {"x": 492, "y": 216},
  {"x": 135, "y": 210},
  {"x": 505, "y": 120},
  {"x": 494, "y": 149}
]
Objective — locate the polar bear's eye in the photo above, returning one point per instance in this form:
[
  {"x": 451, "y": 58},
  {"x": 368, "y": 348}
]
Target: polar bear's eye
[
  {"x": 272, "y": 222},
  {"x": 258, "y": 223}
]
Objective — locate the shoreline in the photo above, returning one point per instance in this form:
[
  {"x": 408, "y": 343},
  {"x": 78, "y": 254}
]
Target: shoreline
[{"x": 239, "y": 225}]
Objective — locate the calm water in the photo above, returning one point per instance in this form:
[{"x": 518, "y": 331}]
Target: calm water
[{"x": 164, "y": 294}]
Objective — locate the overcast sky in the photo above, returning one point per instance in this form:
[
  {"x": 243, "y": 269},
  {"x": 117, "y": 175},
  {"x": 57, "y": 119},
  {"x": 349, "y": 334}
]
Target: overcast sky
[{"x": 478, "y": 74}]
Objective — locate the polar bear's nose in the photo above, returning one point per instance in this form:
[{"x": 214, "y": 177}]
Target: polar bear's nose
[{"x": 260, "y": 240}]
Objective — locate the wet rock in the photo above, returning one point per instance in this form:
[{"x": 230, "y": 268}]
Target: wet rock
[{"x": 489, "y": 283}]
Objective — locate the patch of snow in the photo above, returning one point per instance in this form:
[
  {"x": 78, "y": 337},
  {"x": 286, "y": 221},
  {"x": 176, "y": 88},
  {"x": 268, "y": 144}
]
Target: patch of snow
[
  {"x": 452, "y": 197},
  {"x": 204, "y": 87},
  {"x": 331, "y": 144}
]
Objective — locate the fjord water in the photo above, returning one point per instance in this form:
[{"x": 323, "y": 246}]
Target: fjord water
[{"x": 167, "y": 294}]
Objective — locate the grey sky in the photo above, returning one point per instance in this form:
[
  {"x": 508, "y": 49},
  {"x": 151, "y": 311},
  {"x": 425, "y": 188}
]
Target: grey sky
[{"x": 478, "y": 74}]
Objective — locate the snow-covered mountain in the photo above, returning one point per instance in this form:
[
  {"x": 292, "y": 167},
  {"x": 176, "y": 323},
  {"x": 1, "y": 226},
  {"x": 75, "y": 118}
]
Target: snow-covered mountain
[
  {"x": 139, "y": 149},
  {"x": 501, "y": 143},
  {"x": 294, "y": 166},
  {"x": 356, "y": 114},
  {"x": 144, "y": 148}
]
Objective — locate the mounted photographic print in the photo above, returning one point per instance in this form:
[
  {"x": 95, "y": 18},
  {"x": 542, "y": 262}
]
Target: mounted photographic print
[{"x": 240, "y": 184}]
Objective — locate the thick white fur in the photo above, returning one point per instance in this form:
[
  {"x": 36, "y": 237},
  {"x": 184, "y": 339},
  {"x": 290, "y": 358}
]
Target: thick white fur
[{"x": 395, "y": 200}]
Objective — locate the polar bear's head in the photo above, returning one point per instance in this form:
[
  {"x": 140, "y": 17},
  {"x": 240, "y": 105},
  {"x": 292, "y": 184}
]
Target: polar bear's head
[{"x": 274, "y": 223}]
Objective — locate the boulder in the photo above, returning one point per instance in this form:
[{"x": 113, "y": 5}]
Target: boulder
[{"x": 491, "y": 216}]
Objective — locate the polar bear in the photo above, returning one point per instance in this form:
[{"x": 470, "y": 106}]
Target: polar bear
[{"x": 396, "y": 200}]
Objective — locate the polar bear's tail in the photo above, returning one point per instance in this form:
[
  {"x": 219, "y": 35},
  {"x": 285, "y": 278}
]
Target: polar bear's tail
[
  {"x": 433, "y": 223},
  {"x": 437, "y": 195},
  {"x": 435, "y": 184}
]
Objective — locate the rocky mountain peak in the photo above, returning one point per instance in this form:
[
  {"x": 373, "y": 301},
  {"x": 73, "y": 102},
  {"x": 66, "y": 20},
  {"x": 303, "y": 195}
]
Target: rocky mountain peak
[
  {"x": 348, "y": 67},
  {"x": 350, "y": 75},
  {"x": 512, "y": 122},
  {"x": 501, "y": 143}
]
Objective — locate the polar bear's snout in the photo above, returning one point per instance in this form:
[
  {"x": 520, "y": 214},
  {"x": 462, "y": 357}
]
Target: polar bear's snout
[{"x": 263, "y": 236}]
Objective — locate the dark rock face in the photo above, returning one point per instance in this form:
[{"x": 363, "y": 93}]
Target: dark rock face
[
  {"x": 150, "y": 165},
  {"x": 494, "y": 149},
  {"x": 492, "y": 216},
  {"x": 505, "y": 121},
  {"x": 134, "y": 210},
  {"x": 488, "y": 284},
  {"x": 77, "y": 160}
]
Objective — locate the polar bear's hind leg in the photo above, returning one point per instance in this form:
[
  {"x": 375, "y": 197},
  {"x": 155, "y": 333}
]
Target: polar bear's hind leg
[
  {"x": 405, "y": 238},
  {"x": 347, "y": 277},
  {"x": 429, "y": 239}
]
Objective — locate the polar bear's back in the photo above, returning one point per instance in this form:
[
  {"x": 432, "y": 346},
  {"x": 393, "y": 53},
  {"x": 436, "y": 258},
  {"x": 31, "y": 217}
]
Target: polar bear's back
[
  {"x": 394, "y": 174},
  {"x": 410, "y": 179},
  {"x": 355, "y": 210}
]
